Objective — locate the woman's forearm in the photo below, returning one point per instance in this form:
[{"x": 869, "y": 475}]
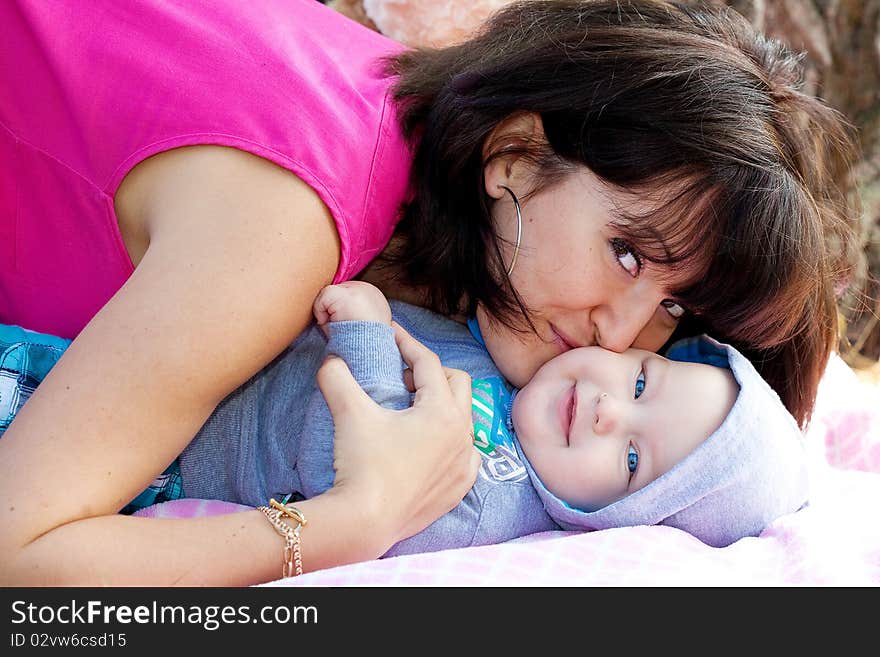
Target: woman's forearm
[
  {"x": 235, "y": 549},
  {"x": 136, "y": 384}
]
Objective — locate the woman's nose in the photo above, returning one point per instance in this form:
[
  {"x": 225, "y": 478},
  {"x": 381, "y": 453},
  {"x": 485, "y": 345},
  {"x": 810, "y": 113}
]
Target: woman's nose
[
  {"x": 607, "y": 415},
  {"x": 624, "y": 319}
]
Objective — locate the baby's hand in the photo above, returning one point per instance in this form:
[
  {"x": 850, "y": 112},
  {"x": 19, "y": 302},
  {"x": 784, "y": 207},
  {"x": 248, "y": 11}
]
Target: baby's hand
[{"x": 352, "y": 300}]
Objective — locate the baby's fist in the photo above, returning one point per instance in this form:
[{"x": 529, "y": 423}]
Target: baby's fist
[{"x": 351, "y": 301}]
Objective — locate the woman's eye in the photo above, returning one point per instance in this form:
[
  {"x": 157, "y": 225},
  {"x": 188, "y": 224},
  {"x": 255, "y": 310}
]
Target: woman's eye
[
  {"x": 632, "y": 461},
  {"x": 627, "y": 257},
  {"x": 674, "y": 310},
  {"x": 640, "y": 384}
]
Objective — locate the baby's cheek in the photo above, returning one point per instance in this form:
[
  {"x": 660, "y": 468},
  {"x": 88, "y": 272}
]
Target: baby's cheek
[
  {"x": 519, "y": 414},
  {"x": 528, "y": 415}
]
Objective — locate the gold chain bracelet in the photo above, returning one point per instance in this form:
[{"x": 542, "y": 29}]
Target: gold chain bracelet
[{"x": 292, "y": 559}]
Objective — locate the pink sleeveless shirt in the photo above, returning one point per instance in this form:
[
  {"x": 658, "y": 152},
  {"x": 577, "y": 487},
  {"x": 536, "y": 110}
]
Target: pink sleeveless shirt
[{"x": 90, "y": 89}]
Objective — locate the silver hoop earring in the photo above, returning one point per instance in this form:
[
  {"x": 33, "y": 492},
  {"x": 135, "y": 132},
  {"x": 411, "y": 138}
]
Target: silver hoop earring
[{"x": 518, "y": 227}]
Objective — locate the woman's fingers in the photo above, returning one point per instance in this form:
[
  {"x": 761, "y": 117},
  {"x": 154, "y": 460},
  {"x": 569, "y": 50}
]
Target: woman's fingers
[
  {"x": 460, "y": 385},
  {"x": 408, "y": 380},
  {"x": 427, "y": 373},
  {"x": 459, "y": 381},
  {"x": 476, "y": 462},
  {"x": 340, "y": 389},
  {"x": 414, "y": 464}
]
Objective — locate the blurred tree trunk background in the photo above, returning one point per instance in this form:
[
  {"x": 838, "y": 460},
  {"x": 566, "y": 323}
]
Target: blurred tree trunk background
[{"x": 840, "y": 40}]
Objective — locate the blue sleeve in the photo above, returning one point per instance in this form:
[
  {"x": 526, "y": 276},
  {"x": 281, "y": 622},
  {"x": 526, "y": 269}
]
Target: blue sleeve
[{"x": 369, "y": 350}]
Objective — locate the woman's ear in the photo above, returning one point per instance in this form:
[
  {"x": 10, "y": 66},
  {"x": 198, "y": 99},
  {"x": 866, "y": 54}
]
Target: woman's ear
[{"x": 503, "y": 150}]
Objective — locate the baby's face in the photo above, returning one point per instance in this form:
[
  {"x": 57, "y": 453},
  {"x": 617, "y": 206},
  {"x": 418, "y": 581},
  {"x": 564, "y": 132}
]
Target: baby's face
[{"x": 598, "y": 425}]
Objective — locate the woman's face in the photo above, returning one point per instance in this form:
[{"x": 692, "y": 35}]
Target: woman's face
[{"x": 583, "y": 284}]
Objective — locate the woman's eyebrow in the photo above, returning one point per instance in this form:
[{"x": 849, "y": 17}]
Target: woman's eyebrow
[{"x": 647, "y": 237}]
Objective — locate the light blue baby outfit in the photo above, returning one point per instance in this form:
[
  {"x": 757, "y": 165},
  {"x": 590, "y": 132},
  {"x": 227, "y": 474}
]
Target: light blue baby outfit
[{"x": 274, "y": 436}]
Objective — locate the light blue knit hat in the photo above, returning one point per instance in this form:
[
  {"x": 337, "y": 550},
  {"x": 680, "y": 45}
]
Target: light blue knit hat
[{"x": 748, "y": 473}]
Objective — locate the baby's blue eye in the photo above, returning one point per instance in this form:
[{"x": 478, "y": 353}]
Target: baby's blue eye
[
  {"x": 640, "y": 384},
  {"x": 632, "y": 460}
]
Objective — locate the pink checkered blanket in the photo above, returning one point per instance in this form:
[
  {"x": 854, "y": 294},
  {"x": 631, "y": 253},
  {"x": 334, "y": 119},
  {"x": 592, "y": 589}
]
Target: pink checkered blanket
[{"x": 834, "y": 541}]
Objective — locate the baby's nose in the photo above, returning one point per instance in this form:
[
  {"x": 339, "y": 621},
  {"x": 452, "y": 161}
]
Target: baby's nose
[{"x": 606, "y": 414}]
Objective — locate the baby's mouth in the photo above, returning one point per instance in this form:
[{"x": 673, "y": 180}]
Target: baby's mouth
[{"x": 568, "y": 412}]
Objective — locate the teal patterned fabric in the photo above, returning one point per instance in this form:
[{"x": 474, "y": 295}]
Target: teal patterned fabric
[{"x": 25, "y": 359}]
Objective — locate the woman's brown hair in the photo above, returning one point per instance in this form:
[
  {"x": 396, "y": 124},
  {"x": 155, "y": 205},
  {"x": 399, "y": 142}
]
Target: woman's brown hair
[{"x": 687, "y": 103}]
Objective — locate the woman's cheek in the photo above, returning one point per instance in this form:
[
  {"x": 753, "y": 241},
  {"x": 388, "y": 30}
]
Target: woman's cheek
[
  {"x": 517, "y": 361},
  {"x": 517, "y": 368},
  {"x": 657, "y": 332}
]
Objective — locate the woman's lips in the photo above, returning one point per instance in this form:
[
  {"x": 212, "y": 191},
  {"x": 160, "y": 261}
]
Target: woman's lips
[
  {"x": 561, "y": 340},
  {"x": 567, "y": 412}
]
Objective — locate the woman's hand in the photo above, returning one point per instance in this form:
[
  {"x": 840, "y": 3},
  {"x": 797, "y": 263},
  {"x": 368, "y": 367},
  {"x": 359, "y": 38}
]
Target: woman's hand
[{"x": 403, "y": 468}]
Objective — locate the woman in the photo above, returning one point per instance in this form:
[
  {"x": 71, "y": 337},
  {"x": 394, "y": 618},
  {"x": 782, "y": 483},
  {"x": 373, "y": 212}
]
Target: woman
[{"x": 179, "y": 184}]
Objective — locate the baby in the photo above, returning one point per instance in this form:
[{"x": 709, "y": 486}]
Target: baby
[
  {"x": 695, "y": 440},
  {"x": 597, "y": 439}
]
